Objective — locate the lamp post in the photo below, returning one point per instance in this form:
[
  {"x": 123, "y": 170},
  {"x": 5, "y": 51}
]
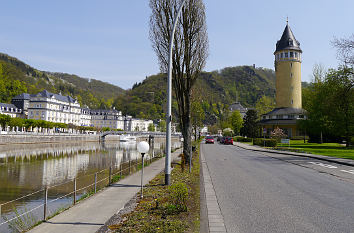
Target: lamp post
[
  {"x": 169, "y": 102},
  {"x": 143, "y": 147}
]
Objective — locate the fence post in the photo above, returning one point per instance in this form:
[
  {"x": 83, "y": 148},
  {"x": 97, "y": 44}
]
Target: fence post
[
  {"x": 110, "y": 176},
  {"x": 129, "y": 167},
  {"x": 121, "y": 168},
  {"x": 45, "y": 203},
  {"x": 0, "y": 210},
  {"x": 74, "y": 190},
  {"x": 95, "y": 182}
]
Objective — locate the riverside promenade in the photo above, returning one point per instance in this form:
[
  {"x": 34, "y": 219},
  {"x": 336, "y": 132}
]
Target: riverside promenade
[{"x": 91, "y": 214}]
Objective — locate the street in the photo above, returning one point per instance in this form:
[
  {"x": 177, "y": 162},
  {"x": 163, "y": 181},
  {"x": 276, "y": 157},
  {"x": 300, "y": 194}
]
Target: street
[{"x": 264, "y": 192}]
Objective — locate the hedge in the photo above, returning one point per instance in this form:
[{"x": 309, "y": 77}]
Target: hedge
[
  {"x": 242, "y": 139},
  {"x": 268, "y": 142}
]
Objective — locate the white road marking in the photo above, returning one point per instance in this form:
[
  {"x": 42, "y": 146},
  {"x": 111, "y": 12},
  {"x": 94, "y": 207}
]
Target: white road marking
[
  {"x": 323, "y": 165},
  {"x": 348, "y": 171}
]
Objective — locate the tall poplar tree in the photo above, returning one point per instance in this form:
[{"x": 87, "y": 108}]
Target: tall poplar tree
[{"x": 190, "y": 50}]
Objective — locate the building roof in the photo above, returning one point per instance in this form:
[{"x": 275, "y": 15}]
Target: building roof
[
  {"x": 279, "y": 122},
  {"x": 237, "y": 106},
  {"x": 8, "y": 105},
  {"x": 288, "y": 41},
  {"x": 286, "y": 111},
  {"x": 48, "y": 94},
  {"x": 23, "y": 96}
]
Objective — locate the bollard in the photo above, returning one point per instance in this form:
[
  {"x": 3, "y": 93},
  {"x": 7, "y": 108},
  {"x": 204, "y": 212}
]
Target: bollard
[
  {"x": 95, "y": 182},
  {"x": 74, "y": 190},
  {"x": 110, "y": 176},
  {"x": 45, "y": 204}
]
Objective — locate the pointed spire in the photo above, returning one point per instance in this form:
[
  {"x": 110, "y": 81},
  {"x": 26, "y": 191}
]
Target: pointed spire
[{"x": 288, "y": 40}]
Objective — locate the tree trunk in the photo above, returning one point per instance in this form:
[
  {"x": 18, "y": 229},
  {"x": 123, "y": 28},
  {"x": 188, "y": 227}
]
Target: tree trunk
[{"x": 187, "y": 142}]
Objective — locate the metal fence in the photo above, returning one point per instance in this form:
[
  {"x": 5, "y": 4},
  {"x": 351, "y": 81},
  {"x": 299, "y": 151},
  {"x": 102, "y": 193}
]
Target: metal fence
[{"x": 99, "y": 179}]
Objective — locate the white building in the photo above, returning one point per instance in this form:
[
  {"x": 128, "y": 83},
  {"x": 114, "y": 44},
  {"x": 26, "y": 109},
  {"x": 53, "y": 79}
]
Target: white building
[
  {"x": 55, "y": 108},
  {"x": 140, "y": 125},
  {"x": 10, "y": 110},
  {"x": 107, "y": 118},
  {"x": 85, "y": 117}
]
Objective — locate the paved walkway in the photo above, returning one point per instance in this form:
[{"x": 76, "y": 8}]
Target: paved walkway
[
  {"x": 348, "y": 162},
  {"x": 91, "y": 214}
]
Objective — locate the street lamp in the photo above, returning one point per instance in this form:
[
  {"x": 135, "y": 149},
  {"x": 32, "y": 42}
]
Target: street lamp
[
  {"x": 143, "y": 147},
  {"x": 169, "y": 102}
]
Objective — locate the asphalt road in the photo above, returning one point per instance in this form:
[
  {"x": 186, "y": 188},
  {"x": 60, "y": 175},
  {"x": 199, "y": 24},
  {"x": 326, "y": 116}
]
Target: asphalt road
[{"x": 263, "y": 192}]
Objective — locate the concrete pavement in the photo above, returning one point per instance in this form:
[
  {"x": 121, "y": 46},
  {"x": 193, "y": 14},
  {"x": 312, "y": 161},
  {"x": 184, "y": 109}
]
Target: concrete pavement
[
  {"x": 91, "y": 214},
  {"x": 347, "y": 162},
  {"x": 259, "y": 193}
]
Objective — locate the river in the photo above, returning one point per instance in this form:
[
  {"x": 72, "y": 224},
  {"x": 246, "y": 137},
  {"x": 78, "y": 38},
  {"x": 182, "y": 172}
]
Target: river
[{"x": 28, "y": 169}]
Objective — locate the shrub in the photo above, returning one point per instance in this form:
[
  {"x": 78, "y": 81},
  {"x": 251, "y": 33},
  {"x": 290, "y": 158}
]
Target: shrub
[
  {"x": 178, "y": 195},
  {"x": 242, "y": 139},
  {"x": 268, "y": 142}
]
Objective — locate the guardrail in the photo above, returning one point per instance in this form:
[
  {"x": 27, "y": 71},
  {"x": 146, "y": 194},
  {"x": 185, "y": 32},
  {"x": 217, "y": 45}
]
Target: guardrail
[{"x": 106, "y": 174}]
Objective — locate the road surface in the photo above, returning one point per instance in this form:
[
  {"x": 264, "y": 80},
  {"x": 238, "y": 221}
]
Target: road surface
[{"x": 263, "y": 192}]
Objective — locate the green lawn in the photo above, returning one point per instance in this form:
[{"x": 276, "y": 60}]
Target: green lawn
[{"x": 328, "y": 149}]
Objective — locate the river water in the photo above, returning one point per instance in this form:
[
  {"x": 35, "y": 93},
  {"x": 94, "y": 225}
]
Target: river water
[{"x": 28, "y": 169}]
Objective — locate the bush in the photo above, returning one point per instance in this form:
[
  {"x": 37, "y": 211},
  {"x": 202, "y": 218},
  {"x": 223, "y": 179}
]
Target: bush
[
  {"x": 242, "y": 139},
  {"x": 268, "y": 142},
  {"x": 178, "y": 195}
]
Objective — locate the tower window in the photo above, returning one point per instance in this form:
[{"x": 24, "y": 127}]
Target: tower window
[
  {"x": 291, "y": 54},
  {"x": 291, "y": 65},
  {"x": 292, "y": 101},
  {"x": 286, "y": 54},
  {"x": 296, "y": 54},
  {"x": 281, "y": 55}
]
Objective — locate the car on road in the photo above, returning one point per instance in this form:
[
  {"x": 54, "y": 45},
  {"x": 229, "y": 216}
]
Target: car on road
[
  {"x": 228, "y": 141},
  {"x": 209, "y": 139}
]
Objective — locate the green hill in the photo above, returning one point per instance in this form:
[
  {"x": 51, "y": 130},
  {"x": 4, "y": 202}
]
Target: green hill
[
  {"x": 17, "y": 77},
  {"x": 216, "y": 90}
]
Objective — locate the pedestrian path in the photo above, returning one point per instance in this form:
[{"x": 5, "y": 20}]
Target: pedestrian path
[{"x": 91, "y": 214}]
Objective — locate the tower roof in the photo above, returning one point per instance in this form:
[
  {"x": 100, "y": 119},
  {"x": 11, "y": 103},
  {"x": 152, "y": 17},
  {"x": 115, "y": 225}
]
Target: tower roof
[{"x": 288, "y": 41}]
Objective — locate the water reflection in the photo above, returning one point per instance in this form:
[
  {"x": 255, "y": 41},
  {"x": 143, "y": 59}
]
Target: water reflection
[{"x": 25, "y": 169}]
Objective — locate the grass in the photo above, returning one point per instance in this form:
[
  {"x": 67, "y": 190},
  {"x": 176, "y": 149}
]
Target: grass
[
  {"x": 158, "y": 211},
  {"x": 328, "y": 149}
]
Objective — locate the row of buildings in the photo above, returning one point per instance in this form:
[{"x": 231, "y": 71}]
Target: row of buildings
[{"x": 65, "y": 109}]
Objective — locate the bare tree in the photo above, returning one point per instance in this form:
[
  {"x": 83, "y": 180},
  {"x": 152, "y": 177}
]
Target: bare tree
[
  {"x": 345, "y": 49},
  {"x": 189, "y": 53}
]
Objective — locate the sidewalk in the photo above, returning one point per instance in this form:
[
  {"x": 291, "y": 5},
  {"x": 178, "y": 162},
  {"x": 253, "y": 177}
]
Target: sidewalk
[
  {"x": 347, "y": 162},
  {"x": 91, "y": 214}
]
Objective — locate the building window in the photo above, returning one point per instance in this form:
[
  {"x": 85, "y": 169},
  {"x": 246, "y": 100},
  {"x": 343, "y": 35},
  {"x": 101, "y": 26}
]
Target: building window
[
  {"x": 279, "y": 116},
  {"x": 296, "y": 54},
  {"x": 292, "y": 101},
  {"x": 281, "y": 55},
  {"x": 286, "y": 54},
  {"x": 291, "y": 116}
]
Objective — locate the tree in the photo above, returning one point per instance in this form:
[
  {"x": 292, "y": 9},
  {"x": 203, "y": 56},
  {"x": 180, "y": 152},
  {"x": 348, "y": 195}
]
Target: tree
[
  {"x": 151, "y": 127},
  {"x": 329, "y": 102},
  {"x": 345, "y": 49},
  {"x": 264, "y": 105},
  {"x": 250, "y": 126},
  {"x": 197, "y": 116},
  {"x": 4, "y": 120},
  {"x": 236, "y": 122},
  {"x": 189, "y": 54},
  {"x": 162, "y": 126}
]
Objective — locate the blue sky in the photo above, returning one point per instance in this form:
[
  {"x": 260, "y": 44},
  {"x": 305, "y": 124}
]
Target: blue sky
[{"x": 108, "y": 39}]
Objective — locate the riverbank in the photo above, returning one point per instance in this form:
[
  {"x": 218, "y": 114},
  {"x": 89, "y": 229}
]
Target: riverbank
[{"x": 46, "y": 138}]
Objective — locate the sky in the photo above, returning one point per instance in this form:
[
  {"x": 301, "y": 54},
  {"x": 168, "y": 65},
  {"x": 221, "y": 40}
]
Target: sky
[{"x": 108, "y": 40}]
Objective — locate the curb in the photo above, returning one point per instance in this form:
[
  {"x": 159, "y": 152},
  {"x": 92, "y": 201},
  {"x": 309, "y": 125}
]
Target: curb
[
  {"x": 214, "y": 216},
  {"x": 319, "y": 157}
]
